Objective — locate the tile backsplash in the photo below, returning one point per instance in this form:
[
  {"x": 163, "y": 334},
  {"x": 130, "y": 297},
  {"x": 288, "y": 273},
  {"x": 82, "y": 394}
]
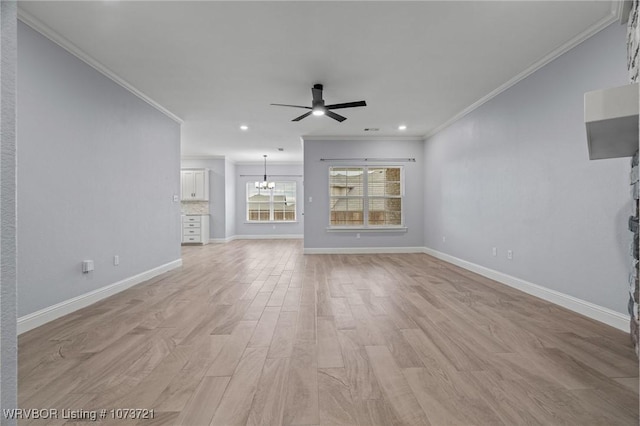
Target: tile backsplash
[{"x": 194, "y": 207}]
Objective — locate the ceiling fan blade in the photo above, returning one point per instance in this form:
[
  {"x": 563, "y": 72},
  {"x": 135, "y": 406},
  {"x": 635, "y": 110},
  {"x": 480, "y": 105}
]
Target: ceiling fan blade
[
  {"x": 347, "y": 105},
  {"x": 316, "y": 92},
  {"x": 335, "y": 116},
  {"x": 302, "y": 116},
  {"x": 293, "y": 106}
]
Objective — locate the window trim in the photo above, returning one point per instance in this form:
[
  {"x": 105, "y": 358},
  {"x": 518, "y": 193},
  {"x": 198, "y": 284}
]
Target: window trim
[
  {"x": 270, "y": 203},
  {"x": 365, "y": 227},
  {"x": 379, "y": 228}
]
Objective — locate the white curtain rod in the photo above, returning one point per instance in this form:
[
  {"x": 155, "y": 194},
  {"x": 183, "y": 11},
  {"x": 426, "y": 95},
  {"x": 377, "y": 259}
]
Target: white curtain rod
[
  {"x": 270, "y": 175},
  {"x": 405, "y": 160}
]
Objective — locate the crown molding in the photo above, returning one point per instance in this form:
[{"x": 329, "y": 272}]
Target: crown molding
[
  {"x": 621, "y": 9},
  {"x": 385, "y": 138},
  {"x": 49, "y": 33},
  {"x": 616, "y": 8},
  {"x": 202, "y": 157},
  {"x": 239, "y": 163},
  {"x": 562, "y": 49}
]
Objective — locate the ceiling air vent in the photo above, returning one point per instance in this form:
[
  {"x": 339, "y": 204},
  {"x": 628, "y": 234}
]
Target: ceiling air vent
[{"x": 371, "y": 129}]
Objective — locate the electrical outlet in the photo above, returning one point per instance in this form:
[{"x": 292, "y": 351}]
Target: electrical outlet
[
  {"x": 494, "y": 251},
  {"x": 176, "y": 198},
  {"x": 444, "y": 239},
  {"x": 87, "y": 266},
  {"x": 116, "y": 260},
  {"x": 311, "y": 199},
  {"x": 358, "y": 235},
  {"x": 509, "y": 254}
]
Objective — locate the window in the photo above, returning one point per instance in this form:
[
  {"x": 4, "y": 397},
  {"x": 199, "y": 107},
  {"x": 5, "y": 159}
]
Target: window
[
  {"x": 366, "y": 196},
  {"x": 271, "y": 205}
]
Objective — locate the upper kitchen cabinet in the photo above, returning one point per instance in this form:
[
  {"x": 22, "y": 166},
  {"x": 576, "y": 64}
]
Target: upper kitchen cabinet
[{"x": 194, "y": 184}]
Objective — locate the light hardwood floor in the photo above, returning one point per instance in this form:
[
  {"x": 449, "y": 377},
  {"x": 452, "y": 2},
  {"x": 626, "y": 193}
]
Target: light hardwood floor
[{"x": 255, "y": 332}]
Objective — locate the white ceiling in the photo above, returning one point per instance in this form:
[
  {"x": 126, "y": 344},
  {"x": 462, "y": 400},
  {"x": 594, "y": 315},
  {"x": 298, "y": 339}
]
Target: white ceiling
[{"x": 218, "y": 65}]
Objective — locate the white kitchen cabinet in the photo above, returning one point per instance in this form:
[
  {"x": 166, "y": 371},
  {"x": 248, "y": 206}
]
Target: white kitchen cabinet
[
  {"x": 194, "y": 184},
  {"x": 195, "y": 229}
]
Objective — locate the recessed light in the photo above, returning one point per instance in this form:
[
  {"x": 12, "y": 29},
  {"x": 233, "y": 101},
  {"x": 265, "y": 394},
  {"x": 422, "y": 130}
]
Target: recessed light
[
  {"x": 402, "y": 127},
  {"x": 244, "y": 127}
]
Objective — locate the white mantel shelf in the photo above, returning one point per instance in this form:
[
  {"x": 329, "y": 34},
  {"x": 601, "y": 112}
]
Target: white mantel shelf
[{"x": 611, "y": 119}]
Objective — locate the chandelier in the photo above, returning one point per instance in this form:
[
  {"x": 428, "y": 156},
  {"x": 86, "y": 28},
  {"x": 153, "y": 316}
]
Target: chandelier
[{"x": 265, "y": 184}]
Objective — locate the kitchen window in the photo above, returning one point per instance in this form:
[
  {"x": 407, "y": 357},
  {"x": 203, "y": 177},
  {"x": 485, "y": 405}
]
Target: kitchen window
[
  {"x": 271, "y": 205},
  {"x": 366, "y": 197}
]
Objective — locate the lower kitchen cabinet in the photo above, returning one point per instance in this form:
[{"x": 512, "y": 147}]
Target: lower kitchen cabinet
[{"x": 195, "y": 229}]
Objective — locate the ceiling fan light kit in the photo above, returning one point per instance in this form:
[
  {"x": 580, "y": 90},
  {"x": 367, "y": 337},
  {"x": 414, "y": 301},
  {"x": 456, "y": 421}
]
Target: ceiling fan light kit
[{"x": 318, "y": 107}]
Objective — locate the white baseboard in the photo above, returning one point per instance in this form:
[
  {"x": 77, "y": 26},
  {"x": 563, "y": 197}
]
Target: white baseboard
[
  {"x": 588, "y": 309},
  {"x": 257, "y": 237},
  {"x": 43, "y": 316},
  {"x": 222, "y": 240},
  {"x": 363, "y": 250}
]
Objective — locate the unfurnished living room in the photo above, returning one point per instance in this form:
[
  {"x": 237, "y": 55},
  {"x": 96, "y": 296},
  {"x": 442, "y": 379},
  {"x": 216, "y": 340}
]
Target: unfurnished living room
[{"x": 319, "y": 212}]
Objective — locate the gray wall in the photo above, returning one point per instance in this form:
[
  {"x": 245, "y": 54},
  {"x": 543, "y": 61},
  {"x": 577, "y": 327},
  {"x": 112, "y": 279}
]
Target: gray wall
[
  {"x": 252, "y": 172},
  {"x": 8, "y": 278},
  {"x": 97, "y": 171},
  {"x": 230, "y": 198},
  {"x": 317, "y": 186},
  {"x": 515, "y": 174},
  {"x": 217, "y": 198}
]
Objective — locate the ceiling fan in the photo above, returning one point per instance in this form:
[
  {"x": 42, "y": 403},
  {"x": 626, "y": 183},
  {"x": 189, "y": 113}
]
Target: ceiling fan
[{"x": 319, "y": 108}]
